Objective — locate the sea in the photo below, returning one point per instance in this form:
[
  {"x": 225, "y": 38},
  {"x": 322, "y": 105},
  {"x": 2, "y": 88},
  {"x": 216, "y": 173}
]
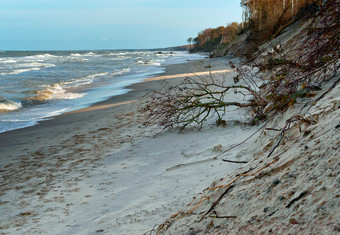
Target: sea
[{"x": 38, "y": 85}]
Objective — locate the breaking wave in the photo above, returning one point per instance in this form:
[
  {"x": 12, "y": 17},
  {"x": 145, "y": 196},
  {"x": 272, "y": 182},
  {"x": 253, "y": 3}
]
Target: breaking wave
[
  {"x": 8, "y": 105},
  {"x": 26, "y": 67},
  {"x": 54, "y": 92}
]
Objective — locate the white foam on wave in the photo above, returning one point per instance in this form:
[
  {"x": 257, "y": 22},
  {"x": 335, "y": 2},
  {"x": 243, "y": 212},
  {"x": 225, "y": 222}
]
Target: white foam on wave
[
  {"x": 76, "y": 82},
  {"x": 41, "y": 56},
  {"x": 8, "y": 105},
  {"x": 18, "y": 71},
  {"x": 149, "y": 62},
  {"x": 9, "y": 61},
  {"x": 121, "y": 71},
  {"x": 97, "y": 75},
  {"x": 26, "y": 67},
  {"x": 84, "y": 55},
  {"x": 55, "y": 92},
  {"x": 37, "y": 64},
  {"x": 76, "y": 54},
  {"x": 76, "y": 58},
  {"x": 155, "y": 63}
]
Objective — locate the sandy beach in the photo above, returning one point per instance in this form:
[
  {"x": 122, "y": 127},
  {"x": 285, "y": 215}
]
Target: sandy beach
[
  {"x": 105, "y": 129},
  {"x": 99, "y": 170}
]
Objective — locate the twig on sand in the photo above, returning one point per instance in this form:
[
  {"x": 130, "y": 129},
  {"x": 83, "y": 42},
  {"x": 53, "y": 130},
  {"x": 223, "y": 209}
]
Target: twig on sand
[
  {"x": 217, "y": 201},
  {"x": 235, "y": 145},
  {"x": 297, "y": 198},
  {"x": 284, "y": 129},
  {"x": 225, "y": 160},
  {"x": 222, "y": 216},
  {"x": 325, "y": 93},
  {"x": 152, "y": 230}
]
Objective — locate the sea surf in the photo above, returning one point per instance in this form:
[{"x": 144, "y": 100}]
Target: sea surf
[{"x": 41, "y": 84}]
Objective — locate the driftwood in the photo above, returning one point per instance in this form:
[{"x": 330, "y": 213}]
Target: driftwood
[
  {"x": 217, "y": 201},
  {"x": 222, "y": 216},
  {"x": 304, "y": 193},
  {"x": 225, "y": 160},
  {"x": 194, "y": 100}
]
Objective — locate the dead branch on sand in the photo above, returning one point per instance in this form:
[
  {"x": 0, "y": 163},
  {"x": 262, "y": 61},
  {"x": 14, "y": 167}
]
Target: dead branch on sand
[{"x": 197, "y": 99}]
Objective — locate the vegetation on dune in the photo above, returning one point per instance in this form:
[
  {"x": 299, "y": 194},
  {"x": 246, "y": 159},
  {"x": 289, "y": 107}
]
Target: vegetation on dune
[
  {"x": 265, "y": 17},
  {"x": 262, "y": 19},
  {"x": 212, "y": 38},
  {"x": 291, "y": 73}
]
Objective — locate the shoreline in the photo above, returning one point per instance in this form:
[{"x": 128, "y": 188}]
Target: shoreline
[
  {"x": 76, "y": 89},
  {"x": 136, "y": 90},
  {"x": 130, "y": 89}
]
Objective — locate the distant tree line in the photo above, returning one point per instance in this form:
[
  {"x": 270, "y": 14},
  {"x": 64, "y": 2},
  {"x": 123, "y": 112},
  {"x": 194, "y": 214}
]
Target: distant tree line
[
  {"x": 211, "y": 38},
  {"x": 266, "y": 17},
  {"x": 263, "y": 18}
]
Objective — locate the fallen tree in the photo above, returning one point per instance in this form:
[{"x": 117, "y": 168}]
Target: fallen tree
[
  {"x": 197, "y": 99},
  {"x": 291, "y": 73}
]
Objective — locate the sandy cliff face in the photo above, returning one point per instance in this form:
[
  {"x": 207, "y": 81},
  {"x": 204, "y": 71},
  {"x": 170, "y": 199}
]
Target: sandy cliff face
[
  {"x": 295, "y": 190},
  {"x": 292, "y": 184}
]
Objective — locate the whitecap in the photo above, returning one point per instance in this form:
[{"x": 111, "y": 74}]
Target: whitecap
[
  {"x": 121, "y": 71},
  {"x": 82, "y": 81},
  {"x": 91, "y": 54},
  {"x": 9, "y": 61},
  {"x": 41, "y": 56},
  {"x": 8, "y": 105},
  {"x": 37, "y": 64},
  {"x": 155, "y": 63},
  {"x": 77, "y": 58},
  {"x": 76, "y": 54},
  {"x": 27, "y": 67},
  {"x": 54, "y": 92},
  {"x": 18, "y": 71}
]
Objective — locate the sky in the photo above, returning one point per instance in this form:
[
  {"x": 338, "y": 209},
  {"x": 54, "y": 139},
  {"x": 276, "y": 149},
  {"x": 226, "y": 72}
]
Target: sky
[{"x": 109, "y": 24}]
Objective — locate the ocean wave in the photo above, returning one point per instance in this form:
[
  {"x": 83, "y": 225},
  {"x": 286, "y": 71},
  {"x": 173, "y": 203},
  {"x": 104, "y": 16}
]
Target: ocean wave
[
  {"x": 76, "y": 58},
  {"x": 148, "y": 62},
  {"x": 8, "y": 61},
  {"x": 18, "y": 71},
  {"x": 97, "y": 75},
  {"x": 54, "y": 92},
  {"x": 120, "y": 57},
  {"x": 91, "y": 53},
  {"x": 41, "y": 56},
  {"x": 76, "y": 82},
  {"x": 26, "y": 67},
  {"x": 122, "y": 70},
  {"x": 76, "y": 54},
  {"x": 36, "y": 64},
  {"x": 84, "y": 55},
  {"x": 8, "y": 105}
]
